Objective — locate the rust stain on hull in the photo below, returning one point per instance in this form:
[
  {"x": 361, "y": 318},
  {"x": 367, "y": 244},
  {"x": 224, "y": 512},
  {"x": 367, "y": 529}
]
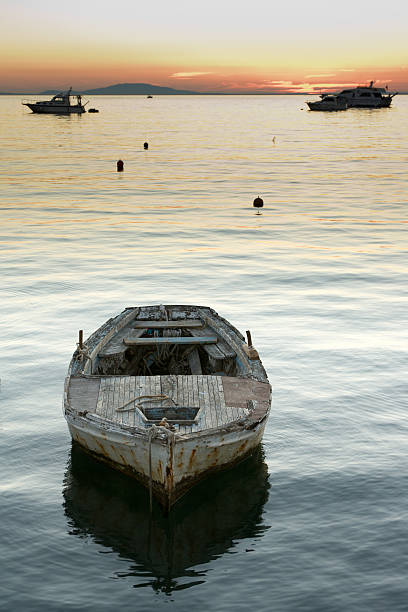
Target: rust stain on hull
[
  {"x": 213, "y": 458},
  {"x": 160, "y": 470},
  {"x": 242, "y": 447},
  {"x": 191, "y": 460},
  {"x": 169, "y": 483}
]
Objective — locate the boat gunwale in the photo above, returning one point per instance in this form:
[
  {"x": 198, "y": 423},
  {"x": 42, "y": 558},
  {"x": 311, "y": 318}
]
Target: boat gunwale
[
  {"x": 254, "y": 369},
  {"x": 95, "y": 342}
]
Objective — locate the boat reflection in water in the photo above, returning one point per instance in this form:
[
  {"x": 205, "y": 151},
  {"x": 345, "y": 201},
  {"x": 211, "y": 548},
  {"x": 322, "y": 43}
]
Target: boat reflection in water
[{"x": 114, "y": 511}]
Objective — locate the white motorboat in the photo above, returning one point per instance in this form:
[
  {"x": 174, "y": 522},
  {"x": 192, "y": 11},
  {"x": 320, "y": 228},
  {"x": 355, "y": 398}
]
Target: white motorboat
[
  {"x": 328, "y": 103},
  {"x": 62, "y": 103},
  {"x": 365, "y": 96},
  {"x": 167, "y": 394}
]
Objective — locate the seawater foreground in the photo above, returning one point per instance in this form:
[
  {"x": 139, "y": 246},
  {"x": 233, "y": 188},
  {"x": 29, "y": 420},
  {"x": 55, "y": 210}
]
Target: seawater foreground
[{"x": 317, "y": 520}]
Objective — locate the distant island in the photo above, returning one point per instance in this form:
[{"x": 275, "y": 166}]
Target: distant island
[
  {"x": 120, "y": 89},
  {"x": 134, "y": 89}
]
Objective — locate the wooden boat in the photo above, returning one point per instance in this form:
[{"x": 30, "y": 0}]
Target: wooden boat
[{"x": 168, "y": 394}]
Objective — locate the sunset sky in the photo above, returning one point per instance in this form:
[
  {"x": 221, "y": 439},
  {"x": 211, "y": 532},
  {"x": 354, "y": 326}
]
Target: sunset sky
[{"x": 216, "y": 45}]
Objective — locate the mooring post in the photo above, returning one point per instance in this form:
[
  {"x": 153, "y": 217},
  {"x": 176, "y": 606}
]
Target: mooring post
[{"x": 249, "y": 339}]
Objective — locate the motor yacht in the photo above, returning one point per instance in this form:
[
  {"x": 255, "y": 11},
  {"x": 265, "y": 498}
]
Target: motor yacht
[
  {"x": 62, "y": 103},
  {"x": 366, "y": 96}
]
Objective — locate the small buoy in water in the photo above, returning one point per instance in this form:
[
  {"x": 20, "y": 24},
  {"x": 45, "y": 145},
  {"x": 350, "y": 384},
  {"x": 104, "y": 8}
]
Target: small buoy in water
[
  {"x": 119, "y": 165},
  {"x": 145, "y": 145},
  {"x": 258, "y": 202}
]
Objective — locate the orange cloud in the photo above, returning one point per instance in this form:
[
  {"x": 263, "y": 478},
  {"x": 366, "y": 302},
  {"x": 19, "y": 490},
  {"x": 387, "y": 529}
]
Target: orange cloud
[
  {"x": 319, "y": 76},
  {"x": 187, "y": 75}
]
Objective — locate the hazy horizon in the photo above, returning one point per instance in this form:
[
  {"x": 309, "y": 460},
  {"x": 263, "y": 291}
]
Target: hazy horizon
[
  {"x": 93, "y": 91},
  {"x": 219, "y": 47}
]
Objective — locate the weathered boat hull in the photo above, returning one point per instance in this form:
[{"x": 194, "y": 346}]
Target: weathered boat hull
[{"x": 176, "y": 465}]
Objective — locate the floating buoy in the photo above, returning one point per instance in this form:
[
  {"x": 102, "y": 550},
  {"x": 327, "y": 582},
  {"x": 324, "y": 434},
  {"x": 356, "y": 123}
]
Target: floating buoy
[
  {"x": 119, "y": 165},
  {"x": 258, "y": 203},
  {"x": 146, "y": 145}
]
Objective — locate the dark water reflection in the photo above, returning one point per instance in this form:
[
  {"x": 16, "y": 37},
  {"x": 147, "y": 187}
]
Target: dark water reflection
[{"x": 114, "y": 510}]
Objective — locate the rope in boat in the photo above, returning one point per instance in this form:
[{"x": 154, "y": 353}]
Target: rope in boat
[
  {"x": 143, "y": 398},
  {"x": 83, "y": 354}
]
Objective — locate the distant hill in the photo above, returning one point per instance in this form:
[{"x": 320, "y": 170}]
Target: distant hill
[
  {"x": 136, "y": 89},
  {"x": 130, "y": 89}
]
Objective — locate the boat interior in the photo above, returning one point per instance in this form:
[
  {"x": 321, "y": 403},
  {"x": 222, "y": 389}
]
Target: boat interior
[
  {"x": 177, "y": 343},
  {"x": 151, "y": 348}
]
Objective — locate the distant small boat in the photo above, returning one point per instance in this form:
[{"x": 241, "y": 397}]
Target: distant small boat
[
  {"x": 61, "y": 103},
  {"x": 328, "y": 103},
  {"x": 93, "y": 110},
  {"x": 167, "y": 394}
]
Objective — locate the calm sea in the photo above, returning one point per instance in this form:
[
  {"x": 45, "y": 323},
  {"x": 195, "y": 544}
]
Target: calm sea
[{"x": 318, "y": 520}]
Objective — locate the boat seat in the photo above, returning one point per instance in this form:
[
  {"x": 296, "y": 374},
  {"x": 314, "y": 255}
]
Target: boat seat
[
  {"x": 116, "y": 346},
  {"x": 168, "y": 324},
  {"x": 221, "y": 351},
  {"x": 131, "y": 341}
]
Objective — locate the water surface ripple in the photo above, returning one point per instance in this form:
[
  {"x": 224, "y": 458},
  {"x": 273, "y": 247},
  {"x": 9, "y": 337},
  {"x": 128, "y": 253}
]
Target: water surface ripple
[{"x": 317, "y": 520}]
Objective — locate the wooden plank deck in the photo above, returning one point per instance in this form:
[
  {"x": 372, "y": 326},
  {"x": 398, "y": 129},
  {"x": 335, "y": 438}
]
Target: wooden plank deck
[
  {"x": 83, "y": 393},
  {"x": 113, "y": 392},
  {"x": 221, "y": 399}
]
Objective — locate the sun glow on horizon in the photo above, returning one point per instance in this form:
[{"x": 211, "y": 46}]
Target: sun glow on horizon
[{"x": 217, "y": 46}]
